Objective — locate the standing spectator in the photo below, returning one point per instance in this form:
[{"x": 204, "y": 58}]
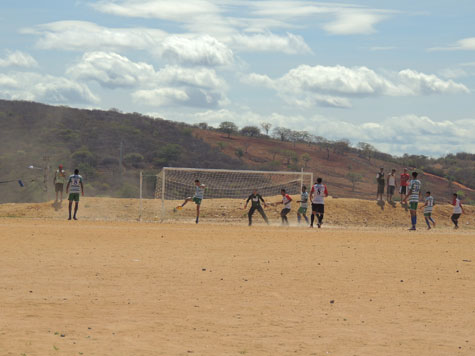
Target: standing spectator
[
  {"x": 381, "y": 183},
  {"x": 391, "y": 185},
  {"x": 74, "y": 187},
  {"x": 414, "y": 195},
  {"x": 59, "y": 181},
  {"x": 403, "y": 185},
  {"x": 458, "y": 210}
]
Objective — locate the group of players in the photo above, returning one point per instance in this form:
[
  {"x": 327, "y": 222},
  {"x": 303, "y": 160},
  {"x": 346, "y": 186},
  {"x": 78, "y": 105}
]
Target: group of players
[
  {"x": 317, "y": 197},
  {"x": 410, "y": 193}
]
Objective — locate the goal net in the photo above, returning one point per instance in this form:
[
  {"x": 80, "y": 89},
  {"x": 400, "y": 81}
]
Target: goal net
[{"x": 225, "y": 190}]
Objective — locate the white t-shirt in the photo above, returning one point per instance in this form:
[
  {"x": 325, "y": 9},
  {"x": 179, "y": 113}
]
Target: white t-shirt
[
  {"x": 304, "y": 200},
  {"x": 319, "y": 191},
  {"x": 457, "y": 206},
  {"x": 286, "y": 200},
  {"x": 392, "y": 180}
]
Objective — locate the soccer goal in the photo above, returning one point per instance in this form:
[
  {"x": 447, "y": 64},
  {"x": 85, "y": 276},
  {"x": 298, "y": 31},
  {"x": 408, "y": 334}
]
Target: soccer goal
[{"x": 225, "y": 189}]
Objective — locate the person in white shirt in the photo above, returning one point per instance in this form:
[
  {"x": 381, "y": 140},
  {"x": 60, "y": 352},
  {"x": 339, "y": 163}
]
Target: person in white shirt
[
  {"x": 197, "y": 198},
  {"x": 458, "y": 210},
  {"x": 428, "y": 207},
  {"x": 391, "y": 185},
  {"x": 317, "y": 195}
]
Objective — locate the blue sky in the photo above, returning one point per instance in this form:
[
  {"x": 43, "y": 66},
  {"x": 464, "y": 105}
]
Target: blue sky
[{"x": 399, "y": 75}]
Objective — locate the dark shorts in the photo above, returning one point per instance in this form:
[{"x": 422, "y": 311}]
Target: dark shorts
[
  {"x": 284, "y": 212},
  {"x": 74, "y": 197},
  {"x": 58, "y": 187},
  {"x": 455, "y": 216},
  {"x": 318, "y": 208},
  {"x": 391, "y": 189},
  {"x": 403, "y": 189},
  {"x": 380, "y": 188}
]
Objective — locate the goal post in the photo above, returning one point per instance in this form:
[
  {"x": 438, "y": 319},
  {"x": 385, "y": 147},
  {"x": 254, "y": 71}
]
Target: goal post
[{"x": 224, "y": 187}]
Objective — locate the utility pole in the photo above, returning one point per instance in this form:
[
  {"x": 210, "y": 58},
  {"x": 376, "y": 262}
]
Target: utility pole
[
  {"x": 121, "y": 155},
  {"x": 46, "y": 171}
]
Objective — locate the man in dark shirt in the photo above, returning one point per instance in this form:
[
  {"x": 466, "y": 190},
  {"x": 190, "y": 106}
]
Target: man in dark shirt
[
  {"x": 381, "y": 184},
  {"x": 256, "y": 199}
]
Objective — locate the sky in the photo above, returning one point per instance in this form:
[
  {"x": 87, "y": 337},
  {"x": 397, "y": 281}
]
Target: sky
[{"x": 399, "y": 75}]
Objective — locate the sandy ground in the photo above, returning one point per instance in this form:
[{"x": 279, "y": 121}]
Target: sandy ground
[
  {"x": 341, "y": 212},
  {"x": 129, "y": 288}
]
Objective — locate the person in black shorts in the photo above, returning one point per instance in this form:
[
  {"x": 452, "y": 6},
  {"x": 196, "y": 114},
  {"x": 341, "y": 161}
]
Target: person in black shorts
[
  {"x": 381, "y": 182},
  {"x": 256, "y": 200},
  {"x": 317, "y": 196}
]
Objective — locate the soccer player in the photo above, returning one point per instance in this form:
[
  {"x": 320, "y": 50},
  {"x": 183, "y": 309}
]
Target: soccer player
[
  {"x": 458, "y": 210},
  {"x": 404, "y": 182},
  {"x": 74, "y": 187},
  {"x": 317, "y": 195},
  {"x": 197, "y": 198},
  {"x": 256, "y": 200},
  {"x": 428, "y": 206},
  {"x": 414, "y": 194},
  {"x": 380, "y": 181},
  {"x": 58, "y": 181},
  {"x": 303, "y": 205},
  {"x": 391, "y": 185},
  {"x": 286, "y": 201}
]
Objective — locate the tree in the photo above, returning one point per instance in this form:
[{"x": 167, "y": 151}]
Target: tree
[
  {"x": 305, "y": 158},
  {"x": 341, "y": 146},
  {"x": 266, "y": 126},
  {"x": 274, "y": 151},
  {"x": 134, "y": 159},
  {"x": 221, "y": 145},
  {"x": 290, "y": 156},
  {"x": 250, "y": 131},
  {"x": 367, "y": 150},
  {"x": 239, "y": 153},
  {"x": 228, "y": 128},
  {"x": 168, "y": 153},
  {"x": 203, "y": 125},
  {"x": 281, "y": 133},
  {"x": 354, "y": 178}
]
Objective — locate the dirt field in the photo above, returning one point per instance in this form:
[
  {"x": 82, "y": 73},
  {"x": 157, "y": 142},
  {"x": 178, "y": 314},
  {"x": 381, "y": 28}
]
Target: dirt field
[{"x": 129, "y": 288}]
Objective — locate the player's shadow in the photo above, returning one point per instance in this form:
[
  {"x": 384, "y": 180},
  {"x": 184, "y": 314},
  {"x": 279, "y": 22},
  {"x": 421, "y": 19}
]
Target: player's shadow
[
  {"x": 57, "y": 205},
  {"x": 381, "y": 204},
  {"x": 392, "y": 203},
  {"x": 405, "y": 206}
]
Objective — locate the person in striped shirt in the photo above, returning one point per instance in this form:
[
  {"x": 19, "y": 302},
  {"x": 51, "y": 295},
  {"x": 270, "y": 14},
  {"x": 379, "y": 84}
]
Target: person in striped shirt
[
  {"x": 414, "y": 196},
  {"x": 428, "y": 206},
  {"x": 74, "y": 187},
  {"x": 197, "y": 198},
  {"x": 303, "y": 205}
]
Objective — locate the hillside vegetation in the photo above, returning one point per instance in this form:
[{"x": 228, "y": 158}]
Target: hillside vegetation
[{"x": 94, "y": 141}]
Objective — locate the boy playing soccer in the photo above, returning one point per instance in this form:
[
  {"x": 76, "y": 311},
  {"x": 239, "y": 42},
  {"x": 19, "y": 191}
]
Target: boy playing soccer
[
  {"x": 458, "y": 210},
  {"x": 317, "y": 196},
  {"x": 75, "y": 183},
  {"x": 414, "y": 195},
  {"x": 428, "y": 206},
  {"x": 303, "y": 205},
  {"x": 256, "y": 199},
  {"x": 197, "y": 198},
  {"x": 286, "y": 201}
]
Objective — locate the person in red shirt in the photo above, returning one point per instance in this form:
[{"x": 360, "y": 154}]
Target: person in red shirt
[
  {"x": 286, "y": 201},
  {"x": 404, "y": 183}
]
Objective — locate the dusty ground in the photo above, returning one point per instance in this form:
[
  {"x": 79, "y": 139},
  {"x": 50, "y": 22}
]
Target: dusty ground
[
  {"x": 129, "y": 288},
  {"x": 338, "y": 212}
]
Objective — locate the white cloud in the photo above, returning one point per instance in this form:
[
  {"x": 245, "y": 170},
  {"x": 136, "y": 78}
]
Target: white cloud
[
  {"x": 82, "y": 35},
  {"x": 352, "y": 22},
  {"x": 44, "y": 88},
  {"x": 424, "y": 84},
  {"x": 112, "y": 70},
  {"x": 333, "y": 85},
  {"x": 198, "y": 50},
  {"x": 18, "y": 59},
  {"x": 466, "y": 44},
  {"x": 269, "y": 42},
  {"x": 161, "y": 96}
]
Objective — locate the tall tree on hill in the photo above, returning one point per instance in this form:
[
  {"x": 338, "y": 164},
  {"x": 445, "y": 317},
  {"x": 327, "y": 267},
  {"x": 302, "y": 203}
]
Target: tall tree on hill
[
  {"x": 250, "y": 131},
  {"x": 266, "y": 126},
  {"x": 305, "y": 157},
  {"x": 228, "y": 128},
  {"x": 367, "y": 150},
  {"x": 282, "y": 133}
]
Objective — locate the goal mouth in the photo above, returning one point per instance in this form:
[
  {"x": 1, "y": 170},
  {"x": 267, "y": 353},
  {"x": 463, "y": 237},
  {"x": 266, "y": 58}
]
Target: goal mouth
[{"x": 228, "y": 188}]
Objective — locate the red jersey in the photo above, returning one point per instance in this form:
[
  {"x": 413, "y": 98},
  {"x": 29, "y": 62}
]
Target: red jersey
[{"x": 404, "y": 180}]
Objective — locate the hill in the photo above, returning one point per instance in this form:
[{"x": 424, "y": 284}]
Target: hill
[
  {"x": 93, "y": 141},
  {"x": 110, "y": 148},
  {"x": 339, "y": 164}
]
